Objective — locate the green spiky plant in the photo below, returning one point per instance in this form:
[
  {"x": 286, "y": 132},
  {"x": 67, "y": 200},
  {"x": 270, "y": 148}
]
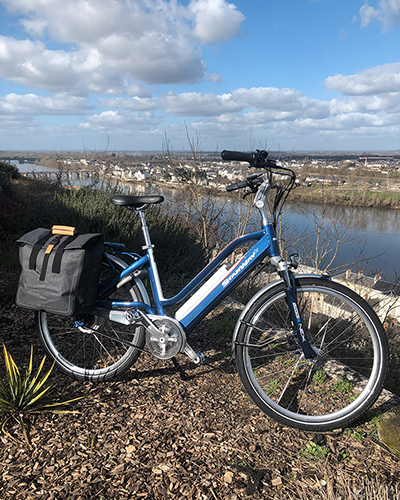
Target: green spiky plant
[{"x": 25, "y": 395}]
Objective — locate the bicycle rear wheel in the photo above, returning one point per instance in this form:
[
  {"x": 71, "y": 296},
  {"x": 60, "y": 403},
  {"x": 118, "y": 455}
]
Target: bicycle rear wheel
[
  {"x": 93, "y": 349},
  {"x": 348, "y": 373}
]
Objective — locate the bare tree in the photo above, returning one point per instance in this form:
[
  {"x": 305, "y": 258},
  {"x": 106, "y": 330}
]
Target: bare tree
[
  {"x": 324, "y": 237},
  {"x": 208, "y": 215}
]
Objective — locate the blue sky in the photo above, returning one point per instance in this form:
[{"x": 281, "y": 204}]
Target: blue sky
[{"x": 126, "y": 74}]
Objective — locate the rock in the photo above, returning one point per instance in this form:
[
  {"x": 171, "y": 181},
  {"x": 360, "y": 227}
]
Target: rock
[
  {"x": 389, "y": 429},
  {"x": 228, "y": 477}
]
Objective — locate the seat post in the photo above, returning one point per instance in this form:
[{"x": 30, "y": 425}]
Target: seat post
[
  {"x": 145, "y": 230},
  {"x": 153, "y": 271}
]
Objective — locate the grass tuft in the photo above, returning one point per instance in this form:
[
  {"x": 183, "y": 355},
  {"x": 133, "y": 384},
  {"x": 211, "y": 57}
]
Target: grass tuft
[{"x": 25, "y": 394}]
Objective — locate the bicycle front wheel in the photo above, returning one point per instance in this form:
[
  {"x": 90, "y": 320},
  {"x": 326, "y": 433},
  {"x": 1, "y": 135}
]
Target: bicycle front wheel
[
  {"x": 95, "y": 349},
  {"x": 335, "y": 388}
]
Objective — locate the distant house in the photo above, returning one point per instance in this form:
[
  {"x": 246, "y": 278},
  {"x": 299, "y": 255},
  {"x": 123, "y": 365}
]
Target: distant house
[
  {"x": 141, "y": 175},
  {"x": 136, "y": 175}
]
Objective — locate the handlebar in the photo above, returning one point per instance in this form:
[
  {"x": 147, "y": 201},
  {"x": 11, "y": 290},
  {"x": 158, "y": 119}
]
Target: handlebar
[
  {"x": 255, "y": 159},
  {"x": 237, "y": 185},
  {"x": 238, "y": 156},
  {"x": 259, "y": 159}
]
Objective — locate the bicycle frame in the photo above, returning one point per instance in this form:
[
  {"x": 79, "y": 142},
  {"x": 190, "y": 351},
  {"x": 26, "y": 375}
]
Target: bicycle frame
[
  {"x": 265, "y": 246},
  {"x": 222, "y": 283}
]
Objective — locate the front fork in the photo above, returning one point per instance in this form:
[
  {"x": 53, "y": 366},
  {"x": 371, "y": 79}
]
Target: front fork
[{"x": 286, "y": 274}]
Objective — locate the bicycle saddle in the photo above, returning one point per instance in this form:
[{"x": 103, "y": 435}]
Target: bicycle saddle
[{"x": 136, "y": 201}]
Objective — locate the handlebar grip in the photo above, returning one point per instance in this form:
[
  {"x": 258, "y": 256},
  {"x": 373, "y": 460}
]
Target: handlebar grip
[
  {"x": 237, "y": 185},
  {"x": 238, "y": 156}
]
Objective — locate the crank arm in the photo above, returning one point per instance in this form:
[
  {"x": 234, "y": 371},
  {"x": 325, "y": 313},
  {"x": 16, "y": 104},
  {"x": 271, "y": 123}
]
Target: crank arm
[{"x": 197, "y": 358}]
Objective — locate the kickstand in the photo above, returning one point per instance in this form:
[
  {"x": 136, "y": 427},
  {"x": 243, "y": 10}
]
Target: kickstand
[{"x": 181, "y": 371}]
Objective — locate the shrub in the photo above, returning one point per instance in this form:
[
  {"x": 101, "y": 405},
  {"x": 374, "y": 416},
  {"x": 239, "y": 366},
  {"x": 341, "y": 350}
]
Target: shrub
[
  {"x": 89, "y": 210},
  {"x": 8, "y": 172}
]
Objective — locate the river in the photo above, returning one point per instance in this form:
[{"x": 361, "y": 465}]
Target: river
[
  {"x": 371, "y": 245},
  {"x": 373, "y": 240}
]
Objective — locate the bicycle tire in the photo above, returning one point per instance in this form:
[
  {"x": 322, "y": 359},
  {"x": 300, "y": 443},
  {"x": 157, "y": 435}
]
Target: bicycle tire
[
  {"x": 81, "y": 352},
  {"x": 348, "y": 374}
]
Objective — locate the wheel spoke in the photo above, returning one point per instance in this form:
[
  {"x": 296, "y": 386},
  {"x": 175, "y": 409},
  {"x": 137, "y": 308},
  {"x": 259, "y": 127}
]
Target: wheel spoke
[
  {"x": 334, "y": 387},
  {"x": 290, "y": 378},
  {"x": 93, "y": 348}
]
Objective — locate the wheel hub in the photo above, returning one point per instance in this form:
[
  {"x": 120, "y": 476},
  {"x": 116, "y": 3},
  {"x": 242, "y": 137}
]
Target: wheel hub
[{"x": 89, "y": 323}]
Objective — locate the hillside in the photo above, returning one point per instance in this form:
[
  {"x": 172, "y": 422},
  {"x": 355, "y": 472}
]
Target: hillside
[{"x": 152, "y": 435}]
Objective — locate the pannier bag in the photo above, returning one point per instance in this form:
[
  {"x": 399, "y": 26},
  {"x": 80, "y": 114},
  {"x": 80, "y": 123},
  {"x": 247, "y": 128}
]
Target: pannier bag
[{"x": 60, "y": 270}]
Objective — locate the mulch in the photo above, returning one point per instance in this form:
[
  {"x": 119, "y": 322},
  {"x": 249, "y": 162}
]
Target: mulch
[{"x": 153, "y": 435}]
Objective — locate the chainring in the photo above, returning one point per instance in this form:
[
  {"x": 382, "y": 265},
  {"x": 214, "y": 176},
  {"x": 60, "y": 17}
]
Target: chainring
[{"x": 169, "y": 342}]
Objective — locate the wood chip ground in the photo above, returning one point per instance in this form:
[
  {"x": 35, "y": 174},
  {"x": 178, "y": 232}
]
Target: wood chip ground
[{"x": 152, "y": 435}]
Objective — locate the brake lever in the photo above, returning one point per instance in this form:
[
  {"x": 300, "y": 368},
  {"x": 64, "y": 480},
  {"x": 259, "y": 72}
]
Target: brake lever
[
  {"x": 247, "y": 194},
  {"x": 253, "y": 186}
]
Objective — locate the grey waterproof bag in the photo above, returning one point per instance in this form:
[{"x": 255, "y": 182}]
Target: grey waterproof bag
[{"x": 60, "y": 270}]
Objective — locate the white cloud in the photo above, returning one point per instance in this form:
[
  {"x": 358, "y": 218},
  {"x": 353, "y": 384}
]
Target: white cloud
[
  {"x": 368, "y": 14},
  {"x": 198, "y": 104},
  {"x": 387, "y": 13},
  {"x": 15, "y": 124},
  {"x": 381, "y": 79},
  {"x": 285, "y": 114},
  {"x": 213, "y": 77},
  {"x": 384, "y": 103},
  {"x": 215, "y": 20},
  {"x": 32, "y": 104},
  {"x": 121, "y": 122},
  {"x": 108, "y": 46},
  {"x": 272, "y": 111}
]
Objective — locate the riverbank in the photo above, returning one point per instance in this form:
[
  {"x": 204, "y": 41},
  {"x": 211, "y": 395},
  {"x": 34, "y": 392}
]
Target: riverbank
[
  {"x": 360, "y": 194},
  {"x": 352, "y": 197}
]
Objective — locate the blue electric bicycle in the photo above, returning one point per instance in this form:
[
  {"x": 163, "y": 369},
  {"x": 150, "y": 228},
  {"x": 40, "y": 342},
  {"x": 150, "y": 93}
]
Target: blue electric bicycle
[{"x": 310, "y": 352}]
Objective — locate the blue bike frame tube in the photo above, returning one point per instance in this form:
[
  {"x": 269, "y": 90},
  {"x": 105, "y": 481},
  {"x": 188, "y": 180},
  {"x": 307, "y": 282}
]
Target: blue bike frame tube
[
  {"x": 211, "y": 267},
  {"x": 142, "y": 262},
  {"x": 264, "y": 247},
  {"x": 113, "y": 281},
  {"x": 125, "y": 305}
]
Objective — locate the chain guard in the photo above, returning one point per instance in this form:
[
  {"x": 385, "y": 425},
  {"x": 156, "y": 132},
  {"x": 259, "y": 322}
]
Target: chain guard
[{"x": 170, "y": 340}]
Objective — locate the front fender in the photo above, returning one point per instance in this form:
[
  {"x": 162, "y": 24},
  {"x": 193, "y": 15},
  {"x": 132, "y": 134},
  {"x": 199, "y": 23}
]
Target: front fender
[{"x": 260, "y": 292}]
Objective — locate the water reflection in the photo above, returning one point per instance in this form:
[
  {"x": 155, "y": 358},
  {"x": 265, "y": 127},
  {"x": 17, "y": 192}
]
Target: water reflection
[{"x": 374, "y": 236}]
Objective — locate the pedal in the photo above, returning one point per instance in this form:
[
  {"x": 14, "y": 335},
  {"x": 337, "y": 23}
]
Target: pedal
[{"x": 197, "y": 358}]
